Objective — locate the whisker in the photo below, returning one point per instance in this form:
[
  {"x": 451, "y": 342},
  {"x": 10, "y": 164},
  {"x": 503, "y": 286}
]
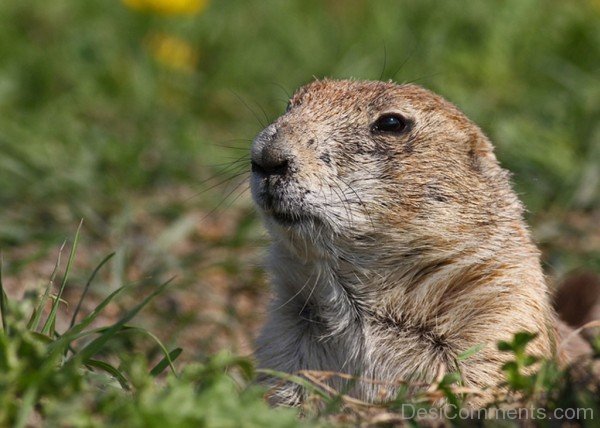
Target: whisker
[
  {"x": 232, "y": 201},
  {"x": 406, "y": 59},
  {"x": 234, "y": 148},
  {"x": 245, "y": 141},
  {"x": 293, "y": 297},
  {"x": 344, "y": 201},
  {"x": 238, "y": 174},
  {"x": 268, "y": 120},
  {"x": 311, "y": 292},
  {"x": 245, "y": 158},
  {"x": 232, "y": 169},
  {"x": 216, "y": 208},
  {"x": 423, "y": 77},
  {"x": 285, "y": 91},
  {"x": 361, "y": 202},
  {"x": 240, "y": 99},
  {"x": 384, "y": 62}
]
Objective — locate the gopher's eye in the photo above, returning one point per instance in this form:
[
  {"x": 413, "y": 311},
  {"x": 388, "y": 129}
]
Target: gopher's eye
[
  {"x": 288, "y": 107},
  {"x": 393, "y": 123}
]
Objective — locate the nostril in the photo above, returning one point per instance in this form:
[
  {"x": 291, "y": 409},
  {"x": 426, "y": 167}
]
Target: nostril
[
  {"x": 256, "y": 168},
  {"x": 278, "y": 167}
]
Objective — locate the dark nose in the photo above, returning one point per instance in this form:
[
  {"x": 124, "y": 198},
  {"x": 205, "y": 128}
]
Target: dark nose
[
  {"x": 270, "y": 165},
  {"x": 270, "y": 156}
]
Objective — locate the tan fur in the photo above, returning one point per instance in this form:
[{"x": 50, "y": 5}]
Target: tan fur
[{"x": 392, "y": 253}]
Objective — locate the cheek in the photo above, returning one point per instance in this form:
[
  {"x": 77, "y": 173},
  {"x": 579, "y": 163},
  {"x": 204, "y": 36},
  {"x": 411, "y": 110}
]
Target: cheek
[
  {"x": 367, "y": 172},
  {"x": 368, "y": 159}
]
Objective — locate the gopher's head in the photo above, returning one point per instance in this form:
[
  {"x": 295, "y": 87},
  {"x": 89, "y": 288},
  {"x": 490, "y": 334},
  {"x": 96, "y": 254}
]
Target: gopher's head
[{"x": 354, "y": 166}]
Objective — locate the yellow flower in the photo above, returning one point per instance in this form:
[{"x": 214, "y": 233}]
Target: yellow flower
[
  {"x": 168, "y": 7},
  {"x": 173, "y": 52}
]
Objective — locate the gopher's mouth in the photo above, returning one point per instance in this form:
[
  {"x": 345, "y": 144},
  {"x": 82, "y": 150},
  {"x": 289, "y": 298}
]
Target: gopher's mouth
[
  {"x": 290, "y": 218},
  {"x": 273, "y": 196}
]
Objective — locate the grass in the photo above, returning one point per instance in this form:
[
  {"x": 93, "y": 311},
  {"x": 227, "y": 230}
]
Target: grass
[
  {"x": 80, "y": 377},
  {"x": 76, "y": 378},
  {"x": 140, "y": 123}
]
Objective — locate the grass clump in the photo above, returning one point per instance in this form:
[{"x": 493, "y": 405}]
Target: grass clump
[
  {"x": 77, "y": 378},
  {"x": 83, "y": 376}
]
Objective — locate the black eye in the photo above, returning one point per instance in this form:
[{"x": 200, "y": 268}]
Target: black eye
[
  {"x": 393, "y": 123},
  {"x": 288, "y": 107}
]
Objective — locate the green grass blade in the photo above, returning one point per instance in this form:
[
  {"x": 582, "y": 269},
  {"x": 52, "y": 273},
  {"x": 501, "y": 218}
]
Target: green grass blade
[
  {"x": 3, "y": 301},
  {"x": 298, "y": 380},
  {"x": 167, "y": 355},
  {"x": 76, "y": 331},
  {"x": 111, "y": 370},
  {"x": 29, "y": 399},
  {"x": 166, "y": 361},
  {"x": 93, "y": 347},
  {"x": 87, "y": 287},
  {"x": 470, "y": 352},
  {"x": 36, "y": 316},
  {"x": 64, "y": 342},
  {"x": 42, "y": 337},
  {"x": 50, "y": 321}
]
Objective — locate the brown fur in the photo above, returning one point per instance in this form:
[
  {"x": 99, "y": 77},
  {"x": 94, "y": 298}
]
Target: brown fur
[{"x": 392, "y": 253}]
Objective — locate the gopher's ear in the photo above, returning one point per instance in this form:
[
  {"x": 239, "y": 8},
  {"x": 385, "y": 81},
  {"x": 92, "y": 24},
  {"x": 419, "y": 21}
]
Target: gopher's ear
[
  {"x": 481, "y": 154},
  {"x": 577, "y": 299}
]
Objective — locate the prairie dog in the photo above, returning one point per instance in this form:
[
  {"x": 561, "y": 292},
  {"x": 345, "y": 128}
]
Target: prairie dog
[{"x": 398, "y": 242}]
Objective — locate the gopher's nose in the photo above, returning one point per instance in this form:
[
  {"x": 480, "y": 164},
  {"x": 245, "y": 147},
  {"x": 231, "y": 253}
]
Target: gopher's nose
[
  {"x": 270, "y": 166},
  {"x": 269, "y": 155}
]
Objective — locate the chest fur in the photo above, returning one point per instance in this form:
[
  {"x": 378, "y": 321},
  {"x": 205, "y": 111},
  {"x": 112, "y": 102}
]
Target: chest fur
[{"x": 370, "y": 347}]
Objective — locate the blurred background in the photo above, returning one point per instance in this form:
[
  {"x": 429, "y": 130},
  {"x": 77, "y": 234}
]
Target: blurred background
[{"x": 136, "y": 116}]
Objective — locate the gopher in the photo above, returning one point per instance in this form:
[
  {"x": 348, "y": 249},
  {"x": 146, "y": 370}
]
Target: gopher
[{"x": 397, "y": 242}]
